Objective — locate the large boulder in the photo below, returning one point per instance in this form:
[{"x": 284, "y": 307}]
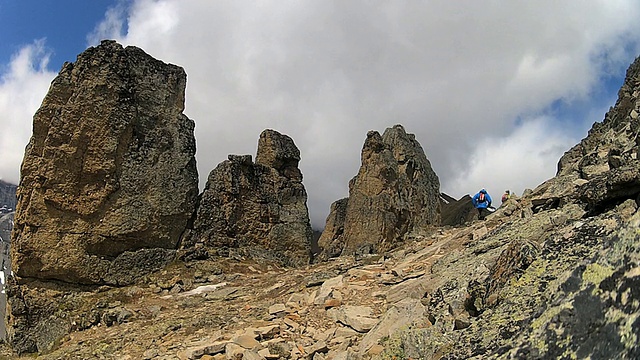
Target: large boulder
[
  {"x": 109, "y": 177},
  {"x": 394, "y": 194},
  {"x": 256, "y": 210}
]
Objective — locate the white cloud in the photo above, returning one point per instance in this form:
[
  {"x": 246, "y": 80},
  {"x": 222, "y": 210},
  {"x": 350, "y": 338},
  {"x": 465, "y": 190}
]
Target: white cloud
[
  {"x": 325, "y": 72},
  {"x": 112, "y": 26},
  {"x": 522, "y": 159},
  {"x": 22, "y": 87}
]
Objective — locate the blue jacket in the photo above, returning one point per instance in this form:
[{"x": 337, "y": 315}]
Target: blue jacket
[{"x": 481, "y": 204}]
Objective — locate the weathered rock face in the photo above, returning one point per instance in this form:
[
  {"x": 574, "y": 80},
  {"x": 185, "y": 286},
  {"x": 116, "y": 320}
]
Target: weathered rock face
[
  {"x": 331, "y": 241},
  {"x": 394, "y": 193},
  {"x": 255, "y": 210},
  {"x": 109, "y": 177},
  {"x": 457, "y": 212}
]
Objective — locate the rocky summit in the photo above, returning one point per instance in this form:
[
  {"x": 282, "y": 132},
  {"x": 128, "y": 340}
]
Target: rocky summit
[
  {"x": 256, "y": 210},
  {"x": 553, "y": 274},
  {"x": 394, "y": 194}
]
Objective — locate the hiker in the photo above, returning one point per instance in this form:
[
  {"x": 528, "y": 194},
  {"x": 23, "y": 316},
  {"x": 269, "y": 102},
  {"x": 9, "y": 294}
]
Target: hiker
[
  {"x": 482, "y": 201},
  {"x": 506, "y": 195}
]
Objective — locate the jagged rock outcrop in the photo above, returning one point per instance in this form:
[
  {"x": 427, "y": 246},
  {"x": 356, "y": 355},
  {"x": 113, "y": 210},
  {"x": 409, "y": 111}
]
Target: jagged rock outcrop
[
  {"x": 331, "y": 241},
  {"x": 109, "y": 170},
  {"x": 109, "y": 181},
  {"x": 395, "y": 193},
  {"x": 256, "y": 210},
  {"x": 602, "y": 168},
  {"x": 456, "y": 212}
]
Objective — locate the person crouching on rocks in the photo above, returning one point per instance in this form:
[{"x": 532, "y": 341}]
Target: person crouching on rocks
[
  {"x": 482, "y": 201},
  {"x": 506, "y": 195}
]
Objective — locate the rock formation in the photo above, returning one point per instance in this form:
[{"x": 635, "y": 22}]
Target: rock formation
[
  {"x": 109, "y": 181},
  {"x": 456, "y": 212},
  {"x": 109, "y": 171},
  {"x": 395, "y": 193},
  {"x": 255, "y": 210},
  {"x": 331, "y": 241}
]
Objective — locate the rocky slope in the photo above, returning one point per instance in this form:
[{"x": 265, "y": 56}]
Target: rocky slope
[{"x": 550, "y": 285}]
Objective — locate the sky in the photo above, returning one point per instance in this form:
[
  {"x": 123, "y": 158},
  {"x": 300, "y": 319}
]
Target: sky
[{"x": 494, "y": 91}]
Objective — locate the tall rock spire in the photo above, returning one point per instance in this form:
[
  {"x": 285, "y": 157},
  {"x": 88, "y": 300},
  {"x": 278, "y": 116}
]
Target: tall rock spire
[
  {"x": 395, "y": 192},
  {"x": 109, "y": 178},
  {"x": 257, "y": 210}
]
